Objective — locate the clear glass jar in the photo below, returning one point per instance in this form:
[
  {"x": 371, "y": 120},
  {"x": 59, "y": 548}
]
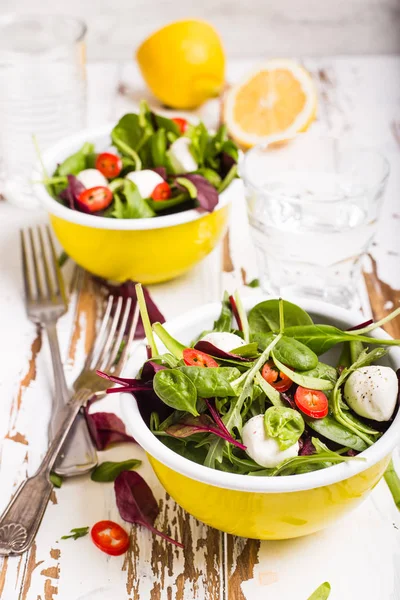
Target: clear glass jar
[
  {"x": 313, "y": 206},
  {"x": 42, "y": 93}
]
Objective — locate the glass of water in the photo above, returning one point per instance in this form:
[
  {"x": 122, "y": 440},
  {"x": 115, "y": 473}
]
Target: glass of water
[
  {"x": 313, "y": 205},
  {"x": 42, "y": 93}
]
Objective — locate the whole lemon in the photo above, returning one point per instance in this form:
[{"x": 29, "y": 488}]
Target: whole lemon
[{"x": 183, "y": 63}]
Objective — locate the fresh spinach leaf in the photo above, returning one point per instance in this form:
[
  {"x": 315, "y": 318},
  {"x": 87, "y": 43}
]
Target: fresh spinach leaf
[
  {"x": 176, "y": 390},
  {"x": 322, "y": 371},
  {"x": 171, "y": 344},
  {"x": 336, "y": 432},
  {"x": 168, "y": 125},
  {"x": 313, "y": 383},
  {"x": 248, "y": 350},
  {"x": 194, "y": 453},
  {"x": 321, "y": 338},
  {"x": 289, "y": 351},
  {"x": 166, "y": 205},
  {"x": 264, "y": 317},
  {"x": 109, "y": 471},
  {"x": 212, "y": 381},
  {"x": 284, "y": 424},
  {"x": 127, "y": 135}
]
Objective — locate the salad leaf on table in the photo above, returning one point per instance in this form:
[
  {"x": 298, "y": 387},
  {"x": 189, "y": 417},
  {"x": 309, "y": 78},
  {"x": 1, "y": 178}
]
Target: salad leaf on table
[
  {"x": 76, "y": 533},
  {"x": 109, "y": 471},
  {"x": 136, "y": 503},
  {"x": 322, "y": 592}
]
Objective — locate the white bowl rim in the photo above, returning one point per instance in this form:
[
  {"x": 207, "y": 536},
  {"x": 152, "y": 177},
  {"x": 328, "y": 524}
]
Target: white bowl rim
[
  {"x": 67, "y": 146},
  {"x": 246, "y": 483}
]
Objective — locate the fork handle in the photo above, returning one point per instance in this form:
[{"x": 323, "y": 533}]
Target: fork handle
[
  {"x": 78, "y": 454},
  {"x": 22, "y": 517}
]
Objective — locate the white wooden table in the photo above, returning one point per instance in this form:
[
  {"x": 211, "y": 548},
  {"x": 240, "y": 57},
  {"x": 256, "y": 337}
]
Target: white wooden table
[{"x": 359, "y": 98}]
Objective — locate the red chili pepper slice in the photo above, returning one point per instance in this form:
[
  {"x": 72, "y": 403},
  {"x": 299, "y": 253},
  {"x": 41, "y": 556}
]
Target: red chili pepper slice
[
  {"x": 312, "y": 403},
  {"x": 195, "y": 358},
  {"x": 96, "y": 198},
  {"x": 277, "y": 379},
  {"x": 110, "y": 538}
]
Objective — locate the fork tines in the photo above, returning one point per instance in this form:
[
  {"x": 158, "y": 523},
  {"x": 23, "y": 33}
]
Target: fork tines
[
  {"x": 104, "y": 355},
  {"x": 41, "y": 273}
]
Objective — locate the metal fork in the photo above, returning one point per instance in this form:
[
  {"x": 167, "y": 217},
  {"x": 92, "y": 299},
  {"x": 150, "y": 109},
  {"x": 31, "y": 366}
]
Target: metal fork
[
  {"x": 21, "y": 519},
  {"x": 46, "y": 301}
]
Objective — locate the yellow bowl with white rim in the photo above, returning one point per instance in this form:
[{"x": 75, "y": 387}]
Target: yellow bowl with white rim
[
  {"x": 267, "y": 508},
  {"x": 146, "y": 250}
]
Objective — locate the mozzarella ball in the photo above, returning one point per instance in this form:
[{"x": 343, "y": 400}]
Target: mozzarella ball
[
  {"x": 372, "y": 392},
  {"x": 91, "y": 178},
  {"x": 146, "y": 181},
  {"x": 262, "y": 448},
  {"x": 223, "y": 340},
  {"x": 181, "y": 157}
]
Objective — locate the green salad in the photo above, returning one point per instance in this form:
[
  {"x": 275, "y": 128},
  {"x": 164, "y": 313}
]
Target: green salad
[
  {"x": 255, "y": 396},
  {"x": 154, "y": 166}
]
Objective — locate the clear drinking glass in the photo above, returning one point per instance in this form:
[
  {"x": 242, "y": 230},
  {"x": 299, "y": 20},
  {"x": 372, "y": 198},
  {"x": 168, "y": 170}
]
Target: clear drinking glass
[
  {"x": 313, "y": 205},
  {"x": 42, "y": 93}
]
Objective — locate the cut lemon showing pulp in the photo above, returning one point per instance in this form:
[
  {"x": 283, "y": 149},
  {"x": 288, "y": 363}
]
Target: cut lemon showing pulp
[{"x": 271, "y": 104}]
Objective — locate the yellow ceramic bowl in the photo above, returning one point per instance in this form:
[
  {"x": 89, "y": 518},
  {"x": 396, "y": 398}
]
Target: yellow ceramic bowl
[
  {"x": 145, "y": 250},
  {"x": 268, "y": 508}
]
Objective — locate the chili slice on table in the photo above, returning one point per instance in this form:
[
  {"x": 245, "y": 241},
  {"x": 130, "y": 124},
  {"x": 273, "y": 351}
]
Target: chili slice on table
[
  {"x": 196, "y": 358},
  {"x": 276, "y": 378},
  {"x": 182, "y": 123},
  {"x": 95, "y": 198},
  {"x": 110, "y": 537},
  {"x": 109, "y": 164},
  {"x": 161, "y": 192},
  {"x": 312, "y": 403}
]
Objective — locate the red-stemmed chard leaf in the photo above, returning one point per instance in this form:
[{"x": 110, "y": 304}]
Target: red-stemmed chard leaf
[
  {"x": 136, "y": 503},
  {"x": 207, "y": 195},
  {"x": 216, "y": 416},
  {"x": 71, "y": 193},
  {"x": 127, "y": 385},
  {"x": 106, "y": 428},
  {"x": 150, "y": 368},
  {"x": 203, "y": 424},
  {"x": 235, "y": 312},
  {"x": 209, "y": 348},
  {"x": 306, "y": 446},
  {"x": 361, "y": 325},
  {"x": 127, "y": 290},
  {"x": 162, "y": 172}
]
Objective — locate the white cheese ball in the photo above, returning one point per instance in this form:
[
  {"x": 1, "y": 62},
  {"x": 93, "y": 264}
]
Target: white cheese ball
[
  {"x": 264, "y": 450},
  {"x": 92, "y": 178},
  {"x": 146, "y": 181},
  {"x": 181, "y": 157},
  {"x": 223, "y": 340},
  {"x": 372, "y": 392}
]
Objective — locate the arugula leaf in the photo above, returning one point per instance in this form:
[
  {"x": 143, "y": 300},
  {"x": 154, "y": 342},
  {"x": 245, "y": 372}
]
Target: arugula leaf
[
  {"x": 109, "y": 471},
  {"x": 224, "y": 321},
  {"x": 313, "y": 383},
  {"x": 76, "y": 533}
]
